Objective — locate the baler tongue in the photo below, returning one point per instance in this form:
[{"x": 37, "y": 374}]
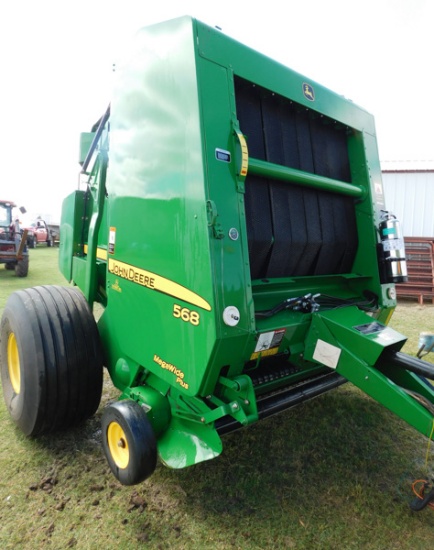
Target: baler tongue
[
  {"x": 367, "y": 354},
  {"x": 407, "y": 362}
]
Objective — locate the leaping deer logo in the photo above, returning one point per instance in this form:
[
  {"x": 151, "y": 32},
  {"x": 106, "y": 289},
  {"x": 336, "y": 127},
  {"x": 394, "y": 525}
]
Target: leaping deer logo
[{"x": 308, "y": 92}]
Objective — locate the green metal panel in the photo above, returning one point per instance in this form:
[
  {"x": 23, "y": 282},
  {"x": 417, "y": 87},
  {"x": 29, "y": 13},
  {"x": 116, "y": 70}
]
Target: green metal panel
[
  {"x": 159, "y": 267},
  {"x": 86, "y": 139},
  {"x": 71, "y": 231}
]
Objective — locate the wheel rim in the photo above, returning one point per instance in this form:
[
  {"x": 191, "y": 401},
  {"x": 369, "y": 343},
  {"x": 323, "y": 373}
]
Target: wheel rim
[
  {"x": 118, "y": 445},
  {"x": 14, "y": 363}
]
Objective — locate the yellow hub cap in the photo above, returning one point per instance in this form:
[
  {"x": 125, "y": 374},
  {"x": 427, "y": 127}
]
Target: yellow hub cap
[
  {"x": 14, "y": 363},
  {"x": 118, "y": 445}
]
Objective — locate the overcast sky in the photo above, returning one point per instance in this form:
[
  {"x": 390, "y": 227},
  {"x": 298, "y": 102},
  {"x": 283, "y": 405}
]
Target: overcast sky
[{"x": 57, "y": 55}]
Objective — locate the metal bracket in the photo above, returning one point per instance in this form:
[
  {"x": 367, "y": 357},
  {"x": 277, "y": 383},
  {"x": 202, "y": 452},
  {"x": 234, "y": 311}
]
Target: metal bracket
[{"x": 211, "y": 210}]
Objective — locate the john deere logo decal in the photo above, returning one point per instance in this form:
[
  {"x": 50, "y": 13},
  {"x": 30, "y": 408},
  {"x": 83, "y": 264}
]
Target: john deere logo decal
[{"x": 308, "y": 92}]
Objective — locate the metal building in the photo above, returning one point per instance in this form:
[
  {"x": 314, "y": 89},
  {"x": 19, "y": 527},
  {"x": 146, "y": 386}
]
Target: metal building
[{"x": 409, "y": 193}]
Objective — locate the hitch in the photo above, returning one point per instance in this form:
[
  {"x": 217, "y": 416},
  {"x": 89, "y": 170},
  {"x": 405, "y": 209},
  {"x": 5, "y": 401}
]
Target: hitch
[{"x": 424, "y": 497}]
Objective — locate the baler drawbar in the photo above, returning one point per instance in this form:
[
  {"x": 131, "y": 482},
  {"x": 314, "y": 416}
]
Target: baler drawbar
[{"x": 231, "y": 226}]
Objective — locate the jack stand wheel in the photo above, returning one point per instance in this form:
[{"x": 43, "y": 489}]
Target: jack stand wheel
[{"x": 129, "y": 442}]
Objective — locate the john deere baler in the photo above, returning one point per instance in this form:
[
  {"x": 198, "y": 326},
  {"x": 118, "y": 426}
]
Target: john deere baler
[{"x": 233, "y": 227}]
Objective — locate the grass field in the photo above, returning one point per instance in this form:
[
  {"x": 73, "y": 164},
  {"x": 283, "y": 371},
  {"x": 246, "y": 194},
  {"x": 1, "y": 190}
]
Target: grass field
[{"x": 333, "y": 473}]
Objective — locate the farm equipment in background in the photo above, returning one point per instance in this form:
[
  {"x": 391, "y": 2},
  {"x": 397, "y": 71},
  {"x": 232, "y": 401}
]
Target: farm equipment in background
[
  {"x": 239, "y": 244},
  {"x": 13, "y": 247}
]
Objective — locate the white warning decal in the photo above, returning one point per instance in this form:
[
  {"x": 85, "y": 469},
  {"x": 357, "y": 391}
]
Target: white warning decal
[
  {"x": 327, "y": 354},
  {"x": 112, "y": 240}
]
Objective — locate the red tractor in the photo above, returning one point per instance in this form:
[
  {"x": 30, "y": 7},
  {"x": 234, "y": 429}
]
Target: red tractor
[{"x": 13, "y": 247}]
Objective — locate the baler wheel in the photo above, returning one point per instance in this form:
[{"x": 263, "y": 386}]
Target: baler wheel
[
  {"x": 14, "y": 363},
  {"x": 129, "y": 442},
  {"x": 51, "y": 366}
]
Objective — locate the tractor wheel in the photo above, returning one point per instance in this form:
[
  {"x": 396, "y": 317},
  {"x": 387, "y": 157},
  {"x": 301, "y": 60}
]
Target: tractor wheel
[
  {"x": 31, "y": 242},
  {"x": 22, "y": 267},
  {"x": 51, "y": 361},
  {"x": 10, "y": 266},
  {"x": 129, "y": 442},
  {"x": 50, "y": 242}
]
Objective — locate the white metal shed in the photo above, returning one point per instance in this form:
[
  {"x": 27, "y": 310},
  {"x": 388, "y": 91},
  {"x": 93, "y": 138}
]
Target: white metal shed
[{"x": 409, "y": 194}]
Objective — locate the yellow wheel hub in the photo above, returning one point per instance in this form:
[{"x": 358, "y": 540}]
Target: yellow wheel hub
[
  {"x": 14, "y": 363},
  {"x": 118, "y": 445}
]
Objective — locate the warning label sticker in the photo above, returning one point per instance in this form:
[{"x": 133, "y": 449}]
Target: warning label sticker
[
  {"x": 327, "y": 354},
  {"x": 370, "y": 328},
  {"x": 268, "y": 343},
  {"x": 112, "y": 240}
]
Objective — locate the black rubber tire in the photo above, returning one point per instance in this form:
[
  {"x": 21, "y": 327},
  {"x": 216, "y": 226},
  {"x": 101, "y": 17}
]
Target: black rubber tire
[
  {"x": 22, "y": 267},
  {"x": 59, "y": 359},
  {"x": 10, "y": 266},
  {"x": 31, "y": 242},
  {"x": 138, "y": 460},
  {"x": 422, "y": 400},
  {"x": 50, "y": 242}
]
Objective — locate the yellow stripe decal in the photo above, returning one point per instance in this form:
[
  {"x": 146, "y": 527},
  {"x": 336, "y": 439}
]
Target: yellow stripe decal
[
  {"x": 101, "y": 253},
  {"x": 156, "y": 282},
  {"x": 264, "y": 353}
]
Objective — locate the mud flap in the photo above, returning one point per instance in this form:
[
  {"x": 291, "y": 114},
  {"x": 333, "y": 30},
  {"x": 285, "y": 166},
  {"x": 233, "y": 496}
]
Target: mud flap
[{"x": 186, "y": 443}]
